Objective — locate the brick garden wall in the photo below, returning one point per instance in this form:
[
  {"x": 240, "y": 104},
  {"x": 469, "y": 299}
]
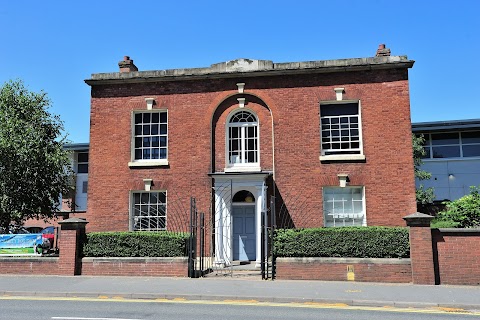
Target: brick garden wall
[
  {"x": 335, "y": 269},
  {"x": 29, "y": 265},
  {"x": 457, "y": 255},
  {"x": 158, "y": 267}
]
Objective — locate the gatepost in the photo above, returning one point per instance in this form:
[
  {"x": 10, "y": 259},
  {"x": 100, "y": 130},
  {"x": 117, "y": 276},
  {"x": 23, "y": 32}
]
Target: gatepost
[
  {"x": 72, "y": 235},
  {"x": 421, "y": 248}
]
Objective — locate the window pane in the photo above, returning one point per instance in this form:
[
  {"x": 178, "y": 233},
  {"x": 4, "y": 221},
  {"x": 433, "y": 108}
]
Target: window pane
[
  {"x": 445, "y": 138},
  {"x": 82, "y": 168},
  {"x": 83, "y": 157},
  {"x": 138, "y": 130},
  {"x": 163, "y": 141},
  {"x": 155, "y": 154},
  {"x": 471, "y": 137},
  {"x": 138, "y": 154},
  {"x": 471, "y": 150},
  {"x": 138, "y": 142},
  {"x": 154, "y": 129},
  {"x": 163, "y": 117},
  {"x": 163, "y": 153},
  {"x": 146, "y": 117},
  {"x": 155, "y": 142},
  {"x": 162, "y": 197},
  {"x": 146, "y": 129},
  {"x": 146, "y": 153},
  {"x": 427, "y": 152},
  {"x": 446, "y": 152},
  {"x": 163, "y": 129},
  {"x": 146, "y": 142},
  {"x": 339, "y": 109},
  {"x": 138, "y": 118},
  {"x": 155, "y": 117}
]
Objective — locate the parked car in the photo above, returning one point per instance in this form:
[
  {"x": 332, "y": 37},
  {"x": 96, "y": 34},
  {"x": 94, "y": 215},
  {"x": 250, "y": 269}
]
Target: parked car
[
  {"x": 48, "y": 235},
  {"x": 34, "y": 229}
]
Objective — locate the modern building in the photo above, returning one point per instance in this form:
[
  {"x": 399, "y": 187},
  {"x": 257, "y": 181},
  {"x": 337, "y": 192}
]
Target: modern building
[
  {"x": 452, "y": 156},
  {"x": 79, "y": 159},
  {"x": 320, "y": 143}
]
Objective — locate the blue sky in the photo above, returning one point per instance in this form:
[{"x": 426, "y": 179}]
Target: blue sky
[{"x": 55, "y": 45}]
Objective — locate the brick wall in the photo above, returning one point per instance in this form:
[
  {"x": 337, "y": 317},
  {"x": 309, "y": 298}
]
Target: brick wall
[
  {"x": 158, "y": 267},
  {"x": 456, "y": 252},
  {"x": 288, "y": 112},
  {"x": 335, "y": 269},
  {"x": 29, "y": 265}
]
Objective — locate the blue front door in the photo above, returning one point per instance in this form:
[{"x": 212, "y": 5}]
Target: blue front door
[{"x": 244, "y": 237}]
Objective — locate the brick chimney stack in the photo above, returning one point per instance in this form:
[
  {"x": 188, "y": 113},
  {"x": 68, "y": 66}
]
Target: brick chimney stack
[
  {"x": 126, "y": 65},
  {"x": 382, "y": 51}
]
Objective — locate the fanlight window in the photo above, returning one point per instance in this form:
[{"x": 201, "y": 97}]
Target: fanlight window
[{"x": 242, "y": 138}]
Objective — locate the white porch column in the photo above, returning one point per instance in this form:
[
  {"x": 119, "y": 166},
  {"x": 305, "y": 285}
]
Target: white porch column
[
  {"x": 219, "y": 204},
  {"x": 258, "y": 223}
]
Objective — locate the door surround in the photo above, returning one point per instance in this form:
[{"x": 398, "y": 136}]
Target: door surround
[{"x": 225, "y": 186}]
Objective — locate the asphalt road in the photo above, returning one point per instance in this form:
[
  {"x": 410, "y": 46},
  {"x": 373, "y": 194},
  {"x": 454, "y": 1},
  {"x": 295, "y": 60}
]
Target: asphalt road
[{"x": 24, "y": 308}]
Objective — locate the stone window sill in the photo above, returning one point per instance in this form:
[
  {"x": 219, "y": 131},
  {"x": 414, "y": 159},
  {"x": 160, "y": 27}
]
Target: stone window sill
[
  {"x": 154, "y": 163},
  {"x": 343, "y": 157}
]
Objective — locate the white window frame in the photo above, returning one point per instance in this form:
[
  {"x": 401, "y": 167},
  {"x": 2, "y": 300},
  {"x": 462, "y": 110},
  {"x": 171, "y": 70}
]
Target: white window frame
[
  {"x": 147, "y": 162},
  {"x": 132, "y": 204},
  {"x": 344, "y": 219},
  {"x": 341, "y": 157},
  {"x": 242, "y": 166}
]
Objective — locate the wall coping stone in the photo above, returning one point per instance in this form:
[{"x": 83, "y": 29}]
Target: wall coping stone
[
  {"x": 333, "y": 260},
  {"x": 459, "y": 230},
  {"x": 134, "y": 259},
  {"x": 252, "y": 68},
  {"x": 29, "y": 259},
  {"x": 418, "y": 219}
]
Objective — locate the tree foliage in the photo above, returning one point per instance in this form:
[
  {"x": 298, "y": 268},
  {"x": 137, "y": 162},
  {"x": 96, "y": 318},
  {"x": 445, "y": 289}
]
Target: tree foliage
[
  {"x": 34, "y": 167},
  {"x": 424, "y": 196},
  {"x": 464, "y": 212}
]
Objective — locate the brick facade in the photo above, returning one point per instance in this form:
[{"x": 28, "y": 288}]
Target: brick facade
[{"x": 287, "y": 107}]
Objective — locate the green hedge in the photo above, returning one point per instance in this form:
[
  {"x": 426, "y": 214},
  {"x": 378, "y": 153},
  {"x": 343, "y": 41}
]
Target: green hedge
[
  {"x": 136, "y": 244},
  {"x": 355, "y": 242}
]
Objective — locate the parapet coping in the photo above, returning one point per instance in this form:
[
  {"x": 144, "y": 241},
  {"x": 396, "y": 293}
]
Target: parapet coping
[
  {"x": 253, "y": 68},
  {"x": 346, "y": 260}
]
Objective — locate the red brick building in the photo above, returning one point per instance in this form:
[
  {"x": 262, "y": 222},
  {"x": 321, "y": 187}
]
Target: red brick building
[{"x": 331, "y": 140}]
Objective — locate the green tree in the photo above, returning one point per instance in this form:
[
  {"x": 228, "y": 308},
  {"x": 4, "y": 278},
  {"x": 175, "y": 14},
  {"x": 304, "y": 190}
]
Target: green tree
[
  {"x": 34, "y": 167},
  {"x": 424, "y": 196}
]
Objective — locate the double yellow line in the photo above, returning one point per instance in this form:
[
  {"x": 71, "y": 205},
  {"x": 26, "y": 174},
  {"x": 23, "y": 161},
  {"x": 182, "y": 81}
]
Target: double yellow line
[{"x": 311, "y": 305}]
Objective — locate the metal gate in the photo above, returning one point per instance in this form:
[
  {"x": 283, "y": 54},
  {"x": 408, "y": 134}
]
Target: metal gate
[
  {"x": 201, "y": 245},
  {"x": 197, "y": 266}
]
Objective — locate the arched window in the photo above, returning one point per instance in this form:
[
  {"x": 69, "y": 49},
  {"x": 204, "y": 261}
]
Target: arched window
[{"x": 242, "y": 140}]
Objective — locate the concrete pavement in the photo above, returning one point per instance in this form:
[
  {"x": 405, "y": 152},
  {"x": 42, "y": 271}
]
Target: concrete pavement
[{"x": 227, "y": 288}]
